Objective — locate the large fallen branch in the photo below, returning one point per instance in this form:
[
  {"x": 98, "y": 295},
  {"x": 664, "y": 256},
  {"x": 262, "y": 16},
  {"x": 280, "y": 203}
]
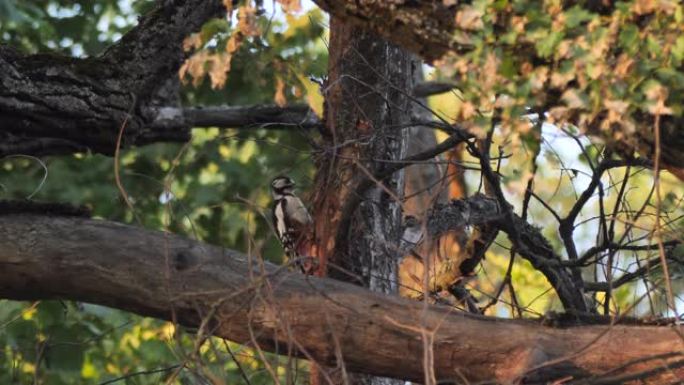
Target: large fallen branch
[{"x": 170, "y": 277}]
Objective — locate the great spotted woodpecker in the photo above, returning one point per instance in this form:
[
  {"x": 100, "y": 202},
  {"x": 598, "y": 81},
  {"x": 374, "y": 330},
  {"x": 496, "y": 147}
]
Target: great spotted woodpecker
[{"x": 291, "y": 220}]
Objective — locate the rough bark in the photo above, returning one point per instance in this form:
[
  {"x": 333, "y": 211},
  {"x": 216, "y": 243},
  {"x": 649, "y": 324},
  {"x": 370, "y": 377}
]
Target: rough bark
[
  {"x": 255, "y": 116},
  {"x": 164, "y": 123},
  {"x": 365, "y": 103},
  {"x": 368, "y": 104},
  {"x": 270, "y": 116},
  {"x": 423, "y": 27},
  {"x": 70, "y": 104},
  {"x": 166, "y": 276}
]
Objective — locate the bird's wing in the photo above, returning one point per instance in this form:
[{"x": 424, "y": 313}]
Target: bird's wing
[{"x": 299, "y": 216}]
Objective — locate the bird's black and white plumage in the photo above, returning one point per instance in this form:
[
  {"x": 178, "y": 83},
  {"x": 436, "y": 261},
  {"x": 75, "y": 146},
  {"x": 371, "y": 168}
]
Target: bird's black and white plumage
[{"x": 291, "y": 219}]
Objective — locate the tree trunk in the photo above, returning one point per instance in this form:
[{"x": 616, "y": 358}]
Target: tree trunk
[{"x": 367, "y": 112}]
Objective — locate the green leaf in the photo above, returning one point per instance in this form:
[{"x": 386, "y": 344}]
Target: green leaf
[
  {"x": 654, "y": 46},
  {"x": 629, "y": 38},
  {"x": 155, "y": 351},
  {"x": 678, "y": 49},
  {"x": 546, "y": 46},
  {"x": 65, "y": 350},
  {"x": 21, "y": 332},
  {"x": 50, "y": 313},
  {"x": 576, "y": 16}
]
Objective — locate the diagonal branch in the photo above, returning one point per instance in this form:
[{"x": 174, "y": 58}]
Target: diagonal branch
[{"x": 74, "y": 104}]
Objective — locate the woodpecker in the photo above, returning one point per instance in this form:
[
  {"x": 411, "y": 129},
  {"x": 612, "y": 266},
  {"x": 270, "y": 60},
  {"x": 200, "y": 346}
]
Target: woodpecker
[{"x": 291, "y": 221}]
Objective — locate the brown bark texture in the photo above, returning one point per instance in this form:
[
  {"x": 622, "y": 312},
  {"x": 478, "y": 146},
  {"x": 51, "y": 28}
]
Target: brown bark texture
[
  {"x": 51, "y": 104},
  {"x": 423, "y": 27},
  {"x": 368, "y": 106},
  {"x": 241, "y": 298},
  {"x": 367, "y": 113}
]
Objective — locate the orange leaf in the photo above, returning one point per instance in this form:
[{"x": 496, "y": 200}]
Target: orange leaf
[{"x": 279, "y": 97}]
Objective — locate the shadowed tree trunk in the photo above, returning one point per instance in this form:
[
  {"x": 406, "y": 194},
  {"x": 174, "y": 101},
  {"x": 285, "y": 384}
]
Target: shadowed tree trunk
[{"x": 367, "y": 113}]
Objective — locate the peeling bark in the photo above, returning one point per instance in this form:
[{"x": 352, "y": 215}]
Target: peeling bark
[{"x": 368, "y": 103}]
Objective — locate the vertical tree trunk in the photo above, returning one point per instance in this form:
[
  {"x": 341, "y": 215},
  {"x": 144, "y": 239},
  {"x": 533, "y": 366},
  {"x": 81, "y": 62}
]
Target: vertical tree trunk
[{"x": 367, "y": 110}]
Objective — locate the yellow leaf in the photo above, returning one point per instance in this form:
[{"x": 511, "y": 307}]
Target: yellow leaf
[
  {"x": 642, "y": 7},
  {"x": 195, "y": 67},
  {"x": 468, "y": 111},
  {"x": 247, "y": 152},
  {"x": 192, "y": 41},
  {"x": 88, "y": 370},
  {"x": 279, "y": 97},
  {"x": 234, "y": 43},
  {"x": 313, "y": 95},
  {"x": 539, "y": 78},
  {"x": 469, "y": 19},
  {"x": 560, "y": 80},
  {"x": 659, "y": 108},
  {"x": 518, "y": 23},
  {"x": 247, "y": 21},
  {"x": 225, "y": 151},
  {"x": 29, "y": 313},
  {"x": 290, "y": 6},
  {"x": 618, "y": 106},
  {"x": 220, "y": 66},
  {"x": 623, "y": 66},
  {"x": 573, "y": 99},
  {"x": 296, "y": 24},
  {"x": 658, "y": 94}
]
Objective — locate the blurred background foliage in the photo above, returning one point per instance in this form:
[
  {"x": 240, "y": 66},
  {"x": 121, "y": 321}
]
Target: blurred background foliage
[{"x": 215, "y": 189}]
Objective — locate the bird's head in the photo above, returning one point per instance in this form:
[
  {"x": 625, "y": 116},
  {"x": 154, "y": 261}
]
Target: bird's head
[{"x": 282, "y": 185}]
